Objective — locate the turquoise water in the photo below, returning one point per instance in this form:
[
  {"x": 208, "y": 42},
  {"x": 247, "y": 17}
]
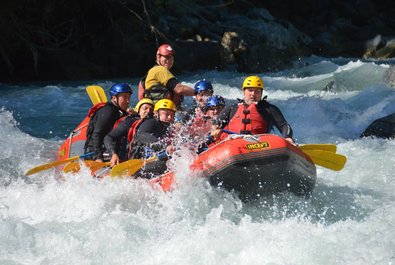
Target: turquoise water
[{"x": 349, "y": 219}]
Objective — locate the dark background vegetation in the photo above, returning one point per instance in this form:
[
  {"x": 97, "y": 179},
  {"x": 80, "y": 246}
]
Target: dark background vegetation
[{"x": 90, "y": 39}]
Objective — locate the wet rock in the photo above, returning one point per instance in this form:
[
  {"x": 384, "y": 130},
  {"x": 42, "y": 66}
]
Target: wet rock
[
  {"x": 380, "y": 48},
  {"x": 382, "y": 128}
]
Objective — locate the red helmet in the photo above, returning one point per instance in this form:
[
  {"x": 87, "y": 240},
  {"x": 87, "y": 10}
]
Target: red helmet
[{"x": 165, "y": 49}]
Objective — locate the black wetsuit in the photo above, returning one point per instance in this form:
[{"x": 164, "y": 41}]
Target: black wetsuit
[
  {"x": 116, "y": 141},
  {"x": 152, "y": 134},
  {"x": 270, "y": 113},
  {"x": 101, "y": 123}
]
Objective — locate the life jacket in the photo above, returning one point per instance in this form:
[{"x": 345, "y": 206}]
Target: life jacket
[
  {"x": 133, "y": 129},
  {"x": 92, "y": 111},
  {"x": 119, "y": 121},
  {"x": 95, "y": 108},
  {"x": 157, "y": 92},
  {"x": 198, "y": 120},
  {"x": 247, "y": 120},
  {"x": 200, "y": 123}
]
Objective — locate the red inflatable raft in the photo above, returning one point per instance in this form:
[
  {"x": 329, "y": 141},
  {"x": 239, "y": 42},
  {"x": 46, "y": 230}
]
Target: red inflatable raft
[
  {"x": 74, "y": 144},
  {"x": 253, "y": 166}
]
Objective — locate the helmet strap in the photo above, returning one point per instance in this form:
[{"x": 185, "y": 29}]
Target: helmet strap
[{"x": 115, "y": 102}]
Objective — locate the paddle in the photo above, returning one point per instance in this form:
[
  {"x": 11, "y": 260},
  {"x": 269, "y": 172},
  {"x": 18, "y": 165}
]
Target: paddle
[
  {"x": 56, "y": 163},
  {"x": 326, "y": 147},
  {"x": 130, "y": 167},
  {"x": 96, "y": 94},
  {"x": 76, "y": 166},
  {"x": 327, "y": 159}
]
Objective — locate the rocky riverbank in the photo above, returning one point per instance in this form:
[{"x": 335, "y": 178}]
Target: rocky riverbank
[{"x": 97, "y": 39}]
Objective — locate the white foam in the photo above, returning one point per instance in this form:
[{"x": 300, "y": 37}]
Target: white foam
[{"x": 348, "y": 220}]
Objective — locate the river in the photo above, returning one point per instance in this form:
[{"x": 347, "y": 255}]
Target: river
[{"x": 349, "y": 219}]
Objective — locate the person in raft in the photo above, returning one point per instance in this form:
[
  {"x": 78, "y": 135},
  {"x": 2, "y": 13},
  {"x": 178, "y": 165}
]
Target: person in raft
[
  {"x": 160, "y": 83},
  {"x": 102, "y": 119},
  {"x": 154, "y": 138},
  {"x": 252, "y": 115},
  {"x": 194, "y": 114},
  {"x": 118, "y": 141},
  {"x": 214, "y": 106}
]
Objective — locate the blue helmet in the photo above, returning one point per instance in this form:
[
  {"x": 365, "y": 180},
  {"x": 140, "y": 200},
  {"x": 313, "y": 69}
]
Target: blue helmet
[
  {"x": 120, "y": 88},
  {"x": 203, "y": 85},
  {"x": 215, "y": 101}
]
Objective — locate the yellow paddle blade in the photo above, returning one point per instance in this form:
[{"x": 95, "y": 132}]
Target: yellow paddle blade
[
  {"x": 50, "y": 165},
  {"x": 94, "y": 165},
  {"x": 56, "y": 163},
  {"x": 72, "y": 167},
  {"x": 327, "y": 159},
  {"x": 326, "y": 147},
  {"x": 96, "y": 94},
  {"x": 76, "y": 166},
  {"x": 130, "y": 167}
]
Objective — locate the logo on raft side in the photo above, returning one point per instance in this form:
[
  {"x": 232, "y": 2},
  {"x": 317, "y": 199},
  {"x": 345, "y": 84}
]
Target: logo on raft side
[{"x": 261, "y": 145}]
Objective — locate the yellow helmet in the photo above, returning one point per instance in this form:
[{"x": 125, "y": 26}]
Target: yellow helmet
[
  {"x": 141, "y": 102},
  {"x": 165, "y": 104},
  {"x": 252, "y": 82}
]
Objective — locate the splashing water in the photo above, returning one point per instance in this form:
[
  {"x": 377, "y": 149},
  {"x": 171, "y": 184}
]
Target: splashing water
[{"x": 348, "y": 220}]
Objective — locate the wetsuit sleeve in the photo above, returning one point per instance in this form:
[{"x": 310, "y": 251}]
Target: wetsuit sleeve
[
  {"x": 113, "y": 138},
  {"x": 280, "y": 122}
]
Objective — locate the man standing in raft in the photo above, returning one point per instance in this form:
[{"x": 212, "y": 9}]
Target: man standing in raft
[
  {"x": 103, "y": 117},
  {"x": 252, "y": 115},
  {"x": 160, "y": 83}
]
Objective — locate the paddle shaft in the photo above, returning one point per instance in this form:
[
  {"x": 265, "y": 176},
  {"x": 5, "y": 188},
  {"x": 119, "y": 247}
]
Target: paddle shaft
[{"x": 56, "y": 163}]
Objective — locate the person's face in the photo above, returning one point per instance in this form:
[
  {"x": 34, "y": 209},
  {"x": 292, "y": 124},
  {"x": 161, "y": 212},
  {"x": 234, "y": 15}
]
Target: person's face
[
  {"x": 166, "y": 61},
  {"x": 166, "y": 115},
  {"x": 145, "y": 109},
  {"x": 123, "y": 100},
  {"x": 202, "y": 97},
  {"x": 252, "y": 94},
  {"x": 214, "y": 111}
]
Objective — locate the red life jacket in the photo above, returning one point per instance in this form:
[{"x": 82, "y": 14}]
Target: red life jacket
[
  {"x": 247, "y": 120},
  {"x": 198, "y": 120},
  {"x": 199, "y": 123},
  {"x": 132, "y": 132},
  {"x": 119, "y": 121},
  {"x": 96, "y": 107}
]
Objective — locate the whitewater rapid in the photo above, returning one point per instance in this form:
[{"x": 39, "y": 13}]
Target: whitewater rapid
[{"x": 349, "y": 219}]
